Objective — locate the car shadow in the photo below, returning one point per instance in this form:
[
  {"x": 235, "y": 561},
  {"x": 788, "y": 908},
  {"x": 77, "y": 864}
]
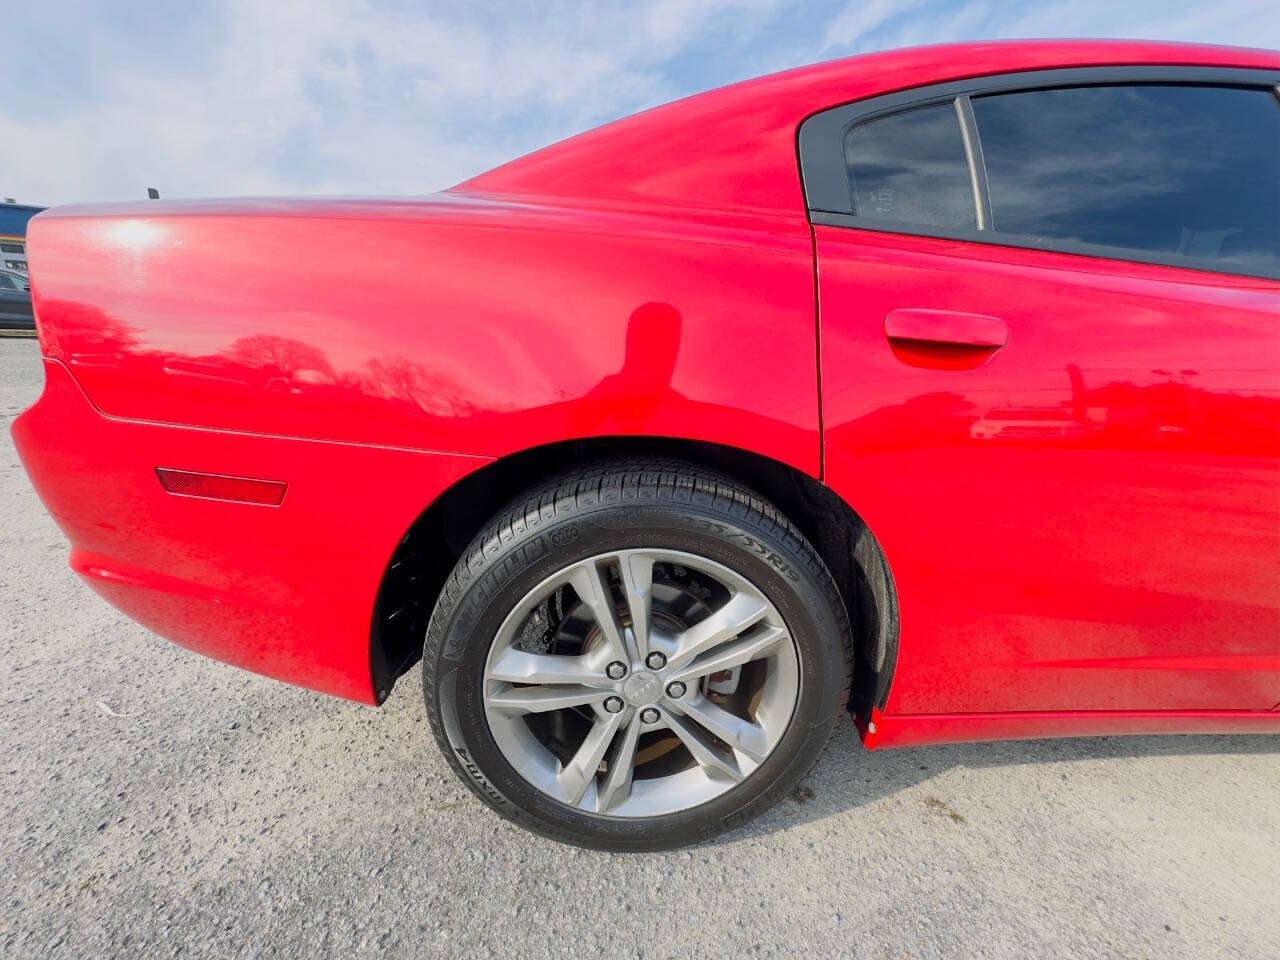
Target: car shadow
[{"x": 847, "y": 776}]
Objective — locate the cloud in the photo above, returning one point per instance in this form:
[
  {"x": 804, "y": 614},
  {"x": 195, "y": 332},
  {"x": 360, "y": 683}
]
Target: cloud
[
  {"x": 852, "y": 27},
  {"x": 356, "y": 96},
  {"x": 1238, "y": 22}
]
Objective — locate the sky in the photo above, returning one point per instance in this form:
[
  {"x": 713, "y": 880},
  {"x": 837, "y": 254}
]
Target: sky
[{"x": 100, "y": 100}]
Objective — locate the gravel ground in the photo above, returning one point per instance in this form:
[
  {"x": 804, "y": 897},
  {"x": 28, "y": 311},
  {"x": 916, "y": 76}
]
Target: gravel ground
[{"x": 215, "y": 813}]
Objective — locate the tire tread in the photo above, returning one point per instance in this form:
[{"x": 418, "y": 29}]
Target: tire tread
[{"x": 606, "y": 483}]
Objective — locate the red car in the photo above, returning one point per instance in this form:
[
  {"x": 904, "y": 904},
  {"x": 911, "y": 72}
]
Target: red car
[{"x": 940, "y": 386}]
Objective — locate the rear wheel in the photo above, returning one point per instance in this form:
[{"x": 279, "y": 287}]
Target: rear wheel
[{"x": 635, "y": 656}]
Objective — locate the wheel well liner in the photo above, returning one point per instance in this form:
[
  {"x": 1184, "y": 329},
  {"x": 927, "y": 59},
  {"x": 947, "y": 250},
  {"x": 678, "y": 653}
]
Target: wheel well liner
[{"x": 430, "y": 548}]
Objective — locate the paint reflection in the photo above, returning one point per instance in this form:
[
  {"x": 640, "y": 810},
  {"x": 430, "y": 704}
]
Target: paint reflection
[{"x": 284, "y": 385}]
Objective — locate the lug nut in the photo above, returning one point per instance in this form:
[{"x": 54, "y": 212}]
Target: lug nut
[
  {"x": 649, "y": 715},
  {"x": 613, "y": 704},
  {"x": 675, "y": 689},
  {"x": 616, "y": 670},
  {"x": 655, "y": 661}
]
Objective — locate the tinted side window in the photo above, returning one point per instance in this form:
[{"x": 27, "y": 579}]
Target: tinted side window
[
  {"x": 910, "y": 168},
  {"x": 1180, "y": 171}
]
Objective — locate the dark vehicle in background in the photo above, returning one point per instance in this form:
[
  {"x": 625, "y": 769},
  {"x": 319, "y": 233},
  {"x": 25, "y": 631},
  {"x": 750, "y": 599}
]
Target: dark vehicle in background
[{"x": 15, "y": 302}]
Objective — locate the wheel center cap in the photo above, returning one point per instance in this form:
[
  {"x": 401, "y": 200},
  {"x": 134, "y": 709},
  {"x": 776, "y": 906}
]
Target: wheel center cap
[{"x": 642, "y": 688}]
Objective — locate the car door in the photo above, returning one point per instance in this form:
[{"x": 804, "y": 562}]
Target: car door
[{"x": 1050, "y": 360}]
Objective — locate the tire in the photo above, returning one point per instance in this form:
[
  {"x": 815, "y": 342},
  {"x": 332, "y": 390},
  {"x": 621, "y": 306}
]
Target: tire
[{"x": 705, "y": 540}]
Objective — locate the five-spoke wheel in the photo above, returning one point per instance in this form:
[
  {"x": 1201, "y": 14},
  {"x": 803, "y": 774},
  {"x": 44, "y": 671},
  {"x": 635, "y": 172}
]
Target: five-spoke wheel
[{"x": 669, "y": 678}]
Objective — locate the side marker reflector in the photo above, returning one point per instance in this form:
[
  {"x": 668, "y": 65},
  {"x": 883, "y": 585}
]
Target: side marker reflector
[{"x": 212, "y": 486}]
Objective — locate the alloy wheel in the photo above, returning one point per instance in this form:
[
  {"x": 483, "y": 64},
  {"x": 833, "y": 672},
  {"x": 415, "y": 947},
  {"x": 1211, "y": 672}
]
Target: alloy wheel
[{"x": 639, "y": 683}]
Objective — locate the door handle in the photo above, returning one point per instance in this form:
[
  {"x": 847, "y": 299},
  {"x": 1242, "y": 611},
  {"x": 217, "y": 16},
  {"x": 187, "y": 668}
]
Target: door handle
[{"x": 946, "y": 327}]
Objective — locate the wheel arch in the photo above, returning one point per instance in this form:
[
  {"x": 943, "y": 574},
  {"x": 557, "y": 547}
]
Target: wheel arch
[{"x": 430, "y": 547}]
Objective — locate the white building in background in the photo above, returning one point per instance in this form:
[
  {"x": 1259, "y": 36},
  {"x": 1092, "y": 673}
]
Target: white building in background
[{"x": 13, "y": 234}]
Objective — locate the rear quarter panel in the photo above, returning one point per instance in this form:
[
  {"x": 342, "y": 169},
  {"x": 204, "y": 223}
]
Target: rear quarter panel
[
  {"x": 369, "y": 358},
  {"x": 467, "y": 326}
]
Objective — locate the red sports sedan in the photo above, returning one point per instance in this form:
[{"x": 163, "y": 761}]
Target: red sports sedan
[{"x": 940, "y": 386}]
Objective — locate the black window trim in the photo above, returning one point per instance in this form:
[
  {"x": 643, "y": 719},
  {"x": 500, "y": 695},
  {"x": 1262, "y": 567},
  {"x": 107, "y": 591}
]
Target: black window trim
[{"x": 824, "y": 174}]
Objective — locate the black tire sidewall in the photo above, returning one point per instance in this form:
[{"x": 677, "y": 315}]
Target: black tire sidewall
[{"x": 512, "y": 569}]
